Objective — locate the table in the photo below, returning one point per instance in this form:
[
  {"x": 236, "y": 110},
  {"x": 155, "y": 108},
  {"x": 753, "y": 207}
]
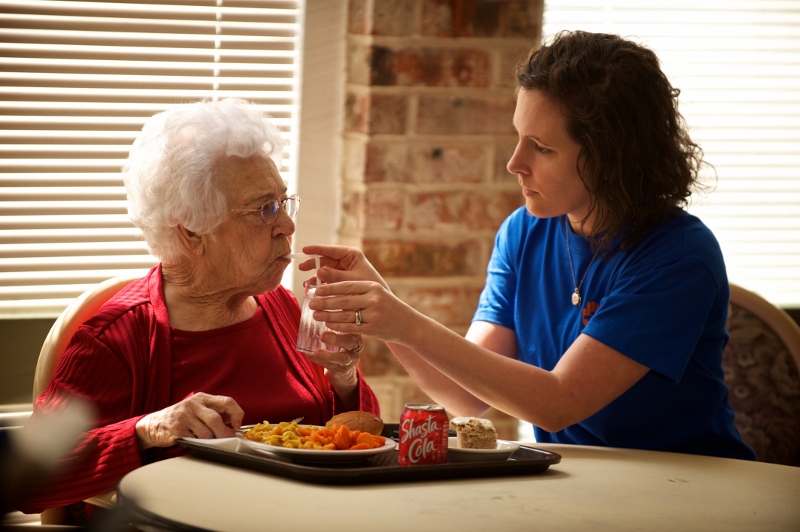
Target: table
[{"x": 593, "y": 488}]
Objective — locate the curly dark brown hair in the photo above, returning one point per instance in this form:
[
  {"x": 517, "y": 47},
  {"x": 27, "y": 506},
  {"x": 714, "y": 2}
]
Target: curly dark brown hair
[{"x": 636, "y": 160}]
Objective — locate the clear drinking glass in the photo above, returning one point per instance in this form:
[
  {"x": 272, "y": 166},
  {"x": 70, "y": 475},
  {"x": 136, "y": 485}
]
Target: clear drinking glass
[{"x": 308, "y": 335}]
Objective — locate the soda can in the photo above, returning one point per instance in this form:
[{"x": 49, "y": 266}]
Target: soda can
[{"x": 423, "y": 434}]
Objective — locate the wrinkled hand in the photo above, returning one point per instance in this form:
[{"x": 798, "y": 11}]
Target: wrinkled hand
[
  {"x": 340, "y": 365},
  {"x": 198, "y": 416},
  {"x": 341, "y": 263},
  {"x": 341, "y": 361}
]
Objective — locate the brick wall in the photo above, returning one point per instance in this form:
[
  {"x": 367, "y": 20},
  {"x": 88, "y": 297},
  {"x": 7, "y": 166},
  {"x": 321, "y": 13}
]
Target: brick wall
[{"x": 427, "y": 134}]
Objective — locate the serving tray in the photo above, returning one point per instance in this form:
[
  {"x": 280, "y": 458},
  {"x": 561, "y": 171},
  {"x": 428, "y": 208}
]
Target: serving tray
[{"x": 380, "y": 468}]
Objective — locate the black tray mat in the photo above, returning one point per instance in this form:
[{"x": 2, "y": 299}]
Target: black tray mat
[{"x": 380, "y": 468}]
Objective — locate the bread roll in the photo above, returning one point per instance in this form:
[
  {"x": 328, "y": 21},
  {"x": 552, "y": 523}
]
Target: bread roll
[{"x": 358, "y": 420}]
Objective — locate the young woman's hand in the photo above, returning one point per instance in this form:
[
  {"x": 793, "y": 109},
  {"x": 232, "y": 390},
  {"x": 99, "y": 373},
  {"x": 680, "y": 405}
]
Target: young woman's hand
[
  {"x": 363, "y": 307},
  {"x": 341, "y": 263}
]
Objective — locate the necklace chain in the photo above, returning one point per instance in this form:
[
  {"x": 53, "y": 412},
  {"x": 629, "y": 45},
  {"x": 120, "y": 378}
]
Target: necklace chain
[{"x": 576, "y": 295}]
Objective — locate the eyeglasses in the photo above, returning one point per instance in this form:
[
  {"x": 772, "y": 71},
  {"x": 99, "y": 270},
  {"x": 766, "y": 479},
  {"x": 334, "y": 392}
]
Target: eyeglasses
[{"x": 269, "y": 211}]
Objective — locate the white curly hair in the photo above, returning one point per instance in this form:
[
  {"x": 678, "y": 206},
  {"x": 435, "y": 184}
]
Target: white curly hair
[{"x": 171, "y": 169}]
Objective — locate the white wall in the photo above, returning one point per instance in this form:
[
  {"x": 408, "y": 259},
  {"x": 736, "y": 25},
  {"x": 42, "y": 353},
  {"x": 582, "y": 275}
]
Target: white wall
[{"x": 319, "y": 128}]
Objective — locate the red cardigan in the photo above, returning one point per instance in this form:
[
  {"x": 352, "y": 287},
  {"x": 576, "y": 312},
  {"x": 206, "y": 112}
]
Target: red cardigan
[{"x": 120, "y": 361}]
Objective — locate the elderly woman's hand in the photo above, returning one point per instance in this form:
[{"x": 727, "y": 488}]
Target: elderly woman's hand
[
  {"x": 342, "y": 360},
  {"x": 199, "y": 416},
  {"x": 340, "y": 365}
]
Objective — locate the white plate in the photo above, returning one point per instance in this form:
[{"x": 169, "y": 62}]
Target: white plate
[
  {"x": 319, "y": 455},
  {"x": 502, "y": 452}
]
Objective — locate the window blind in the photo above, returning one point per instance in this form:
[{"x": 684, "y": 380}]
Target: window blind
[
  {"x": 737, "y": 64},
  {"x": 77, "y": 81}
]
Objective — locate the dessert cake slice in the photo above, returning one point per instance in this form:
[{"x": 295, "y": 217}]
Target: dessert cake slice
[{"x": 474, "y": 433}]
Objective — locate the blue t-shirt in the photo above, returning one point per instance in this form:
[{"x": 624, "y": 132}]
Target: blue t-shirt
[{"x": 662, "y": 303}]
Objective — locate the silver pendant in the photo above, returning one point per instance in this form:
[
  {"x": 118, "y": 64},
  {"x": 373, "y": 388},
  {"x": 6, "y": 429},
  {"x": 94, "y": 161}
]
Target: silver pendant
[{"x": 576, "y": 298}]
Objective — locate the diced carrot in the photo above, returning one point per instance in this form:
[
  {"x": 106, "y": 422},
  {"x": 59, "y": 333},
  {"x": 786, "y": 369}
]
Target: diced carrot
[
  {"x": 321, "y": 438},
  {"x": 360, "y": 447},
  {"x": 367, "y": 439},
  {"x": 342, "y": 439},
  {"x": 380, "y": 441},
  {"x": 329, "y": 447}
]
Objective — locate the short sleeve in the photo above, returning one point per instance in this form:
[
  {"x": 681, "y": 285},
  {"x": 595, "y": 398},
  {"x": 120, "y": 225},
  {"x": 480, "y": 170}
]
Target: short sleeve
[
  {"x": 496, "y": 304},
  {"x": 631, "y": 319}
]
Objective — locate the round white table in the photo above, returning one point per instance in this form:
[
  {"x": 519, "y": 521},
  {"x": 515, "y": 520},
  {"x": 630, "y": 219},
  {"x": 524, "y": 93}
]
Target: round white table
[{"x": 592, "y": 488}]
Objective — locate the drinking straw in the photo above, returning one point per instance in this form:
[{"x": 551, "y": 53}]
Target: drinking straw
[{"x": 305, "y": 256}]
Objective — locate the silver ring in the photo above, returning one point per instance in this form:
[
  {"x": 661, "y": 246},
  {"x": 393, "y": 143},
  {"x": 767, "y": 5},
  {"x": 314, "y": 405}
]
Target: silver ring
[{"x": 358, "y": 317}]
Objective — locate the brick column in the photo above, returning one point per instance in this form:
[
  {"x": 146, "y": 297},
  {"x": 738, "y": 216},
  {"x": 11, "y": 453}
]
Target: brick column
[{"x": 427, "y": 134}]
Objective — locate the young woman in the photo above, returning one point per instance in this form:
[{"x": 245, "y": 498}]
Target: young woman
[{"x": 602, "y": 321}]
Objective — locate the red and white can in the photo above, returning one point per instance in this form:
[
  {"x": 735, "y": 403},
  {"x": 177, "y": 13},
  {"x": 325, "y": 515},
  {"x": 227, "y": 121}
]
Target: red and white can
[{"x": 423, "y": 435}]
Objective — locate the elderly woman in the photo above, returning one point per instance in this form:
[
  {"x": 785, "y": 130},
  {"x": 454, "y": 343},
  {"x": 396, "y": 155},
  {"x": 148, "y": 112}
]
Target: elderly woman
[{"x": 205, "y": 341}]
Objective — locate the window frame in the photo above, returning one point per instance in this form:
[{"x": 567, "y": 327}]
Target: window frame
[
  {"x": 63, "y": 221},
  {"x": 737, "y": 65}
]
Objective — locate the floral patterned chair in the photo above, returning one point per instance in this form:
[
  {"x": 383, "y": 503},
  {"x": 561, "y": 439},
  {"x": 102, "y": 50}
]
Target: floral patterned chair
[{"x": 761, "y": 362}]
